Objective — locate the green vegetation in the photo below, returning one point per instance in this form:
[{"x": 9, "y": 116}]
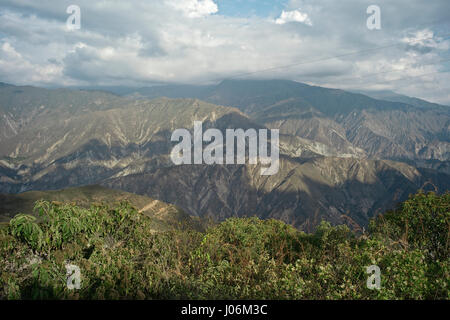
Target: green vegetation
[{"x": 121, "y": 257}]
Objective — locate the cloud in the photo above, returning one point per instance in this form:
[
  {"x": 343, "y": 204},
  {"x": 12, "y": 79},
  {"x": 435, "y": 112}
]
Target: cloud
[
  {"x": 141, "y": 42},
  {"x": 425, "y": 39},
  {"x": 15, "y": 67},
  {"x": 293, "y": 16},
  {"x": 194, "y": 8}
]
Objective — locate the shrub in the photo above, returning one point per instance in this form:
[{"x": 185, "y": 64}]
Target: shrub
[
  {"x": 122, "y": 256},
  {"x": 422, "y": 222}
]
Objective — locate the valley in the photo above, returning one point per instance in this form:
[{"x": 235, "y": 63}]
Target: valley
[{"x": 344, "y": 157}]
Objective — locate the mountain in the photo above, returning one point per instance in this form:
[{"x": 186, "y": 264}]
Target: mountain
[
  {"x": 79, "y": 142},
  {"x": 163, "y": 215},
  {"x": 345, "y": 157},
  {"x": 415, "y": 132},
  {"x": 388, "y": 95},
  {"x": 339, "y": 190}
]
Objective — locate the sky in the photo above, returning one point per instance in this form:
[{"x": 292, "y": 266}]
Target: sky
[{"x": 141, "y": 43}]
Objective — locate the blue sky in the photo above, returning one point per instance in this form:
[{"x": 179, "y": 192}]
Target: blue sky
[{"x": 248, "y": 8}]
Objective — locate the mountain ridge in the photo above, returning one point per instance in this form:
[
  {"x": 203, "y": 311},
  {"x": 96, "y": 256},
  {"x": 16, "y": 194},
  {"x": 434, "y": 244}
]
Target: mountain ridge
[{"x": 331, "y": 156}]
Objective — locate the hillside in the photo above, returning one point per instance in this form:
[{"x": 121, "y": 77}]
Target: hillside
[
  {"x": 345, "y": 157},
  {"x": 340, "y": 190},
  {"x": 120, "y": 257},
  {"x": 55, "y": 151},
  {"x": 164, "y": 216},
  {"x": 401, "y": 128}
]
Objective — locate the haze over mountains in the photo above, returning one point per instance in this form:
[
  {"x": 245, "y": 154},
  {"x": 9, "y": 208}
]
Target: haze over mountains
[{"x": 345, "y": 157}]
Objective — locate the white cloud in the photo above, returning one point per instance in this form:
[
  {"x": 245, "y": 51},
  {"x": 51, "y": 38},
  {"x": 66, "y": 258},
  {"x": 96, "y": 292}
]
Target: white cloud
[
  {"x": 195, "y": 8},
  {"x": 9, "y": 51},
  {"x": 16, "y": 68},
  {"x": 426, "y": 38},
  {"x": 293, "y": 16},
  {"x": 154, "y": 43}
]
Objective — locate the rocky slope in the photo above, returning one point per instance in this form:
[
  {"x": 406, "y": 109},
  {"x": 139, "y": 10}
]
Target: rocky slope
[
  {"x": 399, "y": 128},
  {"x": 340, "y": 190},
  {"x": 345, "y": 157}
]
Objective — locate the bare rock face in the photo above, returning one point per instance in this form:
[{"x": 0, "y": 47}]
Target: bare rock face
[
  {"x": 399, "y": 128},
  {"x": 344, "y": 157},
  {"x": 333, "y": 189}
]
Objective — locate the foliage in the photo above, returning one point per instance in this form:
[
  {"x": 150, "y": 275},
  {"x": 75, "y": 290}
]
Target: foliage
[
  {"x": 421, "y": 222},
  {"x": 121, "y": 257}
]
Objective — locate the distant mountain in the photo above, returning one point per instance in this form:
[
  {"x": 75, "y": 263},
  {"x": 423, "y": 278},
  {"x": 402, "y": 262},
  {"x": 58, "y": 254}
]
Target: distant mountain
[
  {"x": 395, "y": 97},
  {"x": 405, "y": 129},
  {"x": 345, "y": 157},
  {"x": 171, "y": 91},
  {"x": 91, "y": 136}
]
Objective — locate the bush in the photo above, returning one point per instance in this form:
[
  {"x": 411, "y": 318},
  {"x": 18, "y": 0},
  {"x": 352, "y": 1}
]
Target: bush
[
  {"x": 121, "y": 256},
  {"x": 422, "y": 222}
]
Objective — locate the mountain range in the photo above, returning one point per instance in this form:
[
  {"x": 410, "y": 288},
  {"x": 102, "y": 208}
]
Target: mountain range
[{"x": 344, "y": 156}]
